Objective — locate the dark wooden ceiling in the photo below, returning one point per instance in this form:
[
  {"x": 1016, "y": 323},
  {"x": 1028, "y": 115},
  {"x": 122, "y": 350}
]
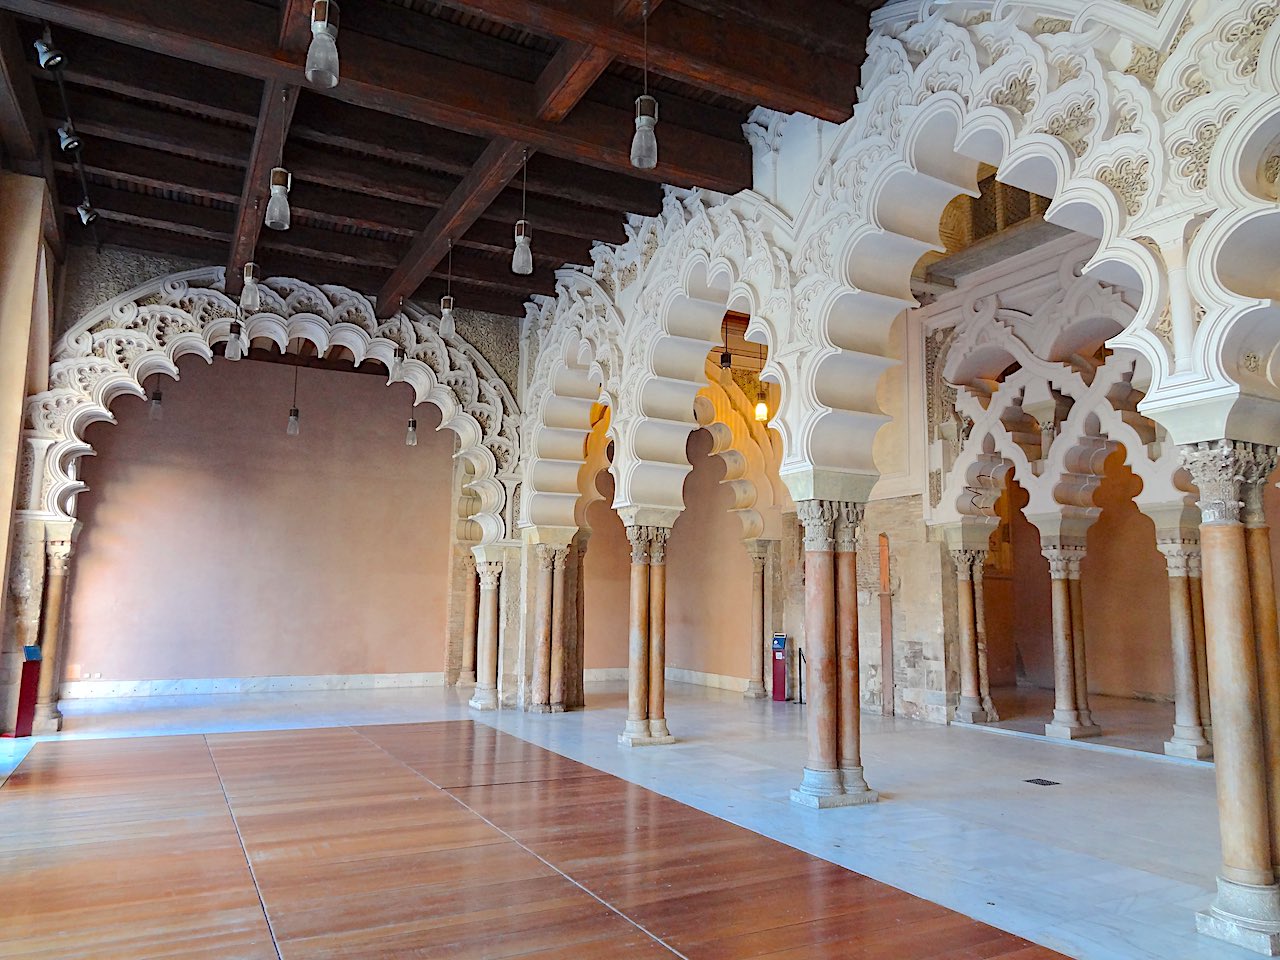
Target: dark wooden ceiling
[{"x": 185, "y": 105}]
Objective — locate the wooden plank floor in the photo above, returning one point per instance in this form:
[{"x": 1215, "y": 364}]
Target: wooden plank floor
[{"x": 441, "y": 840}]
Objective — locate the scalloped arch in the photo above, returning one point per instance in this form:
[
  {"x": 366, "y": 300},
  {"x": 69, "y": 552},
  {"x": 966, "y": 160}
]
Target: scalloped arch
[{"x": 118, "y": 344}]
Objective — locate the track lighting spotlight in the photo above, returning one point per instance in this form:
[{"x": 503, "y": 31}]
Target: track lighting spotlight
[
  {"x": 278, "y": 206},
  {"x": 322, "y": 55},
  {"x": 68, "y": 140},
  {"x": 50, "y": 57},
  {"x": 87, "y": 214}
]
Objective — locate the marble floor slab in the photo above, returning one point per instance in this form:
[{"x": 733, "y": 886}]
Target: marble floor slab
[{"x": 1110, "y": 863}]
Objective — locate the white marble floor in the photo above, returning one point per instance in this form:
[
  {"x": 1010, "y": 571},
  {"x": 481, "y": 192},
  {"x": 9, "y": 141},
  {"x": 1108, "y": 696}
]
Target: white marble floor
[{"x": 1111, "y": 863}]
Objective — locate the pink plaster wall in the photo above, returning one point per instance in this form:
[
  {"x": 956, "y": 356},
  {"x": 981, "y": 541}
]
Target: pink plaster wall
[
  {"x": 215, "y": 546},
  {"x": 1031, "y": 598},
  {"x": 708, "y": 577},
  {"x": 708, "y": 574},
  {"x": 1271, "y": 500},
  {"x": 607, "y": 585}
]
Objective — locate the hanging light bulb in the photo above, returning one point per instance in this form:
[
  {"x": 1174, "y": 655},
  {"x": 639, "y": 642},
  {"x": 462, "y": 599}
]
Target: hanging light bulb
[
  {"x": 644, "y": 145},
  {"x": 278, "y": 206},
  {"x": 522, "y": 258},
  {"x": 322, "y": 55},
  {"x": 726, "y": 359},
  {"x": 155, "y": 410},
  {"x": 50, "y": 57},
  {"x": 397, "y": 363},
  {"x": 250, "y": 293},
  {"x": 411, "y": 435},
  {"x": 235, "y": 342},
  {"x": 86, "y": 211},
  {"x": 762, "y": 407},
  {"x": 68, "y": 140},
  {"x": 294, "y": 427},
  {"x": 447, "y": 327}
]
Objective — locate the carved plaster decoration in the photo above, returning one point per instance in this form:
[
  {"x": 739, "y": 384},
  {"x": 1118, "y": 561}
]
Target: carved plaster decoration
[
  {"x": 1128, "y": 178},
  {"x": 118, "y": 345}
]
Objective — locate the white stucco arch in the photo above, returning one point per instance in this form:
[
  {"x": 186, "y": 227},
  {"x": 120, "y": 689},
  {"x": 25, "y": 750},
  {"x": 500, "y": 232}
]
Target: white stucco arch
[{"x": 117, "y": 345}]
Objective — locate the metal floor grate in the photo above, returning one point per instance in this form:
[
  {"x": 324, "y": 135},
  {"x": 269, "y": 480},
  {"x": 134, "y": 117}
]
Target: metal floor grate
[{"x": 1040, "y": 782}]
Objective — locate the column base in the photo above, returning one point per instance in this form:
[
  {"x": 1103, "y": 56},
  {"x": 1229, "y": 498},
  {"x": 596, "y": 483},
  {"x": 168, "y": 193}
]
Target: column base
[
  {"x": 755, "y": 691},
  {"x": 855, "y": 785},
  {"x": 466, "y": 678},
  {"x": 1245, "y": 915},
  {"x": 1086, "y": 719},
  {"x": 644, "y": 740},
  {"x": 537, "y": 708},
  {"x": 989, "y": 709},
  {"x": 557, "y": 708},
  {"x": 1076, "y": 731},
  {"x": 46, "y": 720},
  {"x": 1189, "y": 744},
  {"x": 484, "y": 699},
  {"x": 824, "y": 789},
  {"x": 970, "y": 711}
]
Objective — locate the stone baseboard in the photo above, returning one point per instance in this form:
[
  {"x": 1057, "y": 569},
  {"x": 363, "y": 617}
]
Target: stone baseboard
[{"x": 111, "y": 689}]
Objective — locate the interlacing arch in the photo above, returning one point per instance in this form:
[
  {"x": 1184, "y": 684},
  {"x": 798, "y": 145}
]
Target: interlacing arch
[{"x": 118, "y": 345}]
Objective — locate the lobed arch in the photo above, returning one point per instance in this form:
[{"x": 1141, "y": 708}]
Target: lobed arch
[{"x": 118, "y": 345}]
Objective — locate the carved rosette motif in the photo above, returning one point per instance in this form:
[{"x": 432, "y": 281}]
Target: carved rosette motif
[{"x": 1218, "y": 469}]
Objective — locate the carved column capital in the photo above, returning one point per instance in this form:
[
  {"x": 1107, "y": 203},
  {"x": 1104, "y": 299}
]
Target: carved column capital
[
  {"x": 967, "y": 561},
  {"x": 1178, "y": 556},
  {"x": 818, "y": 518},
  {"x": 59, "y": 554},
  {"x": 469, "y": 560},
  {"x": 559, "y": 555},
  {"x": 658, "y": 545},
  {"x": 1259, "y": 462},
  {"x": 545, "y": 554},
  {"x": 1064, "y": 562},
  {"x": 639, "y": 537},
  {"x": 1217, "y": 467},
  {"x": 489, "y": 572},
  {"x": 848, "y": 523},
  {"x": 1193, "y": 565}
]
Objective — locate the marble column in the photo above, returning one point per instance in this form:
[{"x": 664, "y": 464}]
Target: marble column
[
  {"x": 1257, "y": 534},
  {"x": 575, "y": 694},
  {"x": 469, "y": 601},
  {"x": 1080, "y": 668},
  {"x": 980, "y": 621},
  {"x": 21, "y": 625},
  {"x": 853, "y": 779},
  {"x": 540, "y": 692},
  {"x": 48, "y": 719},
  {"x": 485, "y": 696},
  {"x": 970, "y": 707},
  {"x": 1066, "y": 723},
  {"x": 636, "y": 731},
  {"x": 658, "y": 732},
  {"x": 822, "y": 784},
  {"x": 755, "y": 682},
  {"x": 1202, "y": 652},
  {"x": 558, "y": 665},
  {"x": 1246, "y": 911},
  {"x": 1188, "y": 735}
]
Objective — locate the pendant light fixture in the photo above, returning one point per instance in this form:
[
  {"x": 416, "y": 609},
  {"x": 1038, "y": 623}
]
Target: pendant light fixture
[
  {"x": 397, "y": 362},
  {"x": 411, "y": 435},
  {"x": 87, "y": 214},
  {"x": 762, "y": 406},
  {"x": 447, "y": 327},
  {"x": 726, "y": 358},
  {"x": 251, "y": 293},
  {"x": 278, "y": 205},
  {"x": 68, "y": 140},
  {"x": 522, "y": 259},
  {"x": 294, "y": 428},
  {"x": 50, "y": 57},
  {"x": 322, "y": 55},
  {"x": 155, "y": 409},
  {"x": 644, "y": 145}
]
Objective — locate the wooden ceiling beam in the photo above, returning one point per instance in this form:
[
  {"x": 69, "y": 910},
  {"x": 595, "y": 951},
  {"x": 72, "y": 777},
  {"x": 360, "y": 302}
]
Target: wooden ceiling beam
[
  {"x": 239, "y": 36},
  {"x": 465, "y": 205},
  {"x": 22, "y": 128},
  {"x": 719, "y": 54}
]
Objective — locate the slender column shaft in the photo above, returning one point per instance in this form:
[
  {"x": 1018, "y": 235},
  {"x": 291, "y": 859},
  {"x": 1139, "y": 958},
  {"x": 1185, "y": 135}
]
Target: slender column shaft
[
  {"x": 51, "y": 628},
  {"x": 1202, "y": 652},
  {"x": 578, "y": 695},
  {"x": 658, "y": 634},
  {"x": 980, "y": 621},
  {"x": 969, "y": 709},
  {"x": 558, "y": 644},
  {"x": 469, "y": 606},
  {"x": 638, "y": 638},
  {"x": 849, "y": 518},
  {"x": 486, "y": 692},
  {"x": 1080, "y": 667},
  {"x": 1064, "y": 681},
  {"x": 820, "y": 654},
  {"x": 755, "y": 678},
  {"x": 540, "y": 695},
  {"x": 1188, "y": 734},
  {"x": 1266, "y": 632}
]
